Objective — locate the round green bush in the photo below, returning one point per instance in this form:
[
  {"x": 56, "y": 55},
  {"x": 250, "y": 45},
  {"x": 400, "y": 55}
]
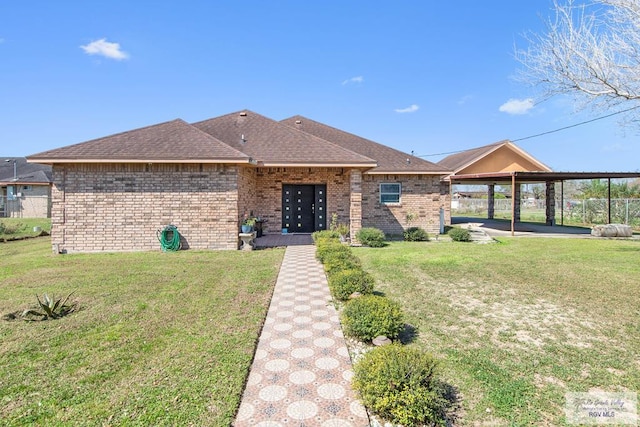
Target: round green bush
[
  {"x": 371, "y": 237},
  {"x": 369, "y": 316},
  {"x": 415, "y": 234},
  {"x": 325, "y": 234},
  {"x": 340, "y": 260},
  {"x": 345, "y": 282},
  {"x": 458, "y": 234},
  {"x": 400, "y": 384},
  {"x": 330, "y": 247}
]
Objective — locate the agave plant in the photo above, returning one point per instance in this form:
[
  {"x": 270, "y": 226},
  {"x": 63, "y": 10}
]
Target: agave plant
[{"x": 50, "y": 308}]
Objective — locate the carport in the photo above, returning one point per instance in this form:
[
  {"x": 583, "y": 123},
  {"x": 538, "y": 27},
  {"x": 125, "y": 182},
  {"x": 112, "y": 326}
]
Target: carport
[{"x": 517, "y": 178}]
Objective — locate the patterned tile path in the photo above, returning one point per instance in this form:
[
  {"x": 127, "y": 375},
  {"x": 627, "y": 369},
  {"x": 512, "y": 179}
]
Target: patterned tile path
[{"x": 301, "y": 373}]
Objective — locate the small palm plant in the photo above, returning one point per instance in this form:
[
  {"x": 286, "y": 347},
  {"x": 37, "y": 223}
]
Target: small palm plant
[{"x": 50, "y": 308}]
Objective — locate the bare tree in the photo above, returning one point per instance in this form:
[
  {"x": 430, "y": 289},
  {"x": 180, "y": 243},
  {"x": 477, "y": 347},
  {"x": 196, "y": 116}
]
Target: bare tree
[{"x": 590, "y": 51}]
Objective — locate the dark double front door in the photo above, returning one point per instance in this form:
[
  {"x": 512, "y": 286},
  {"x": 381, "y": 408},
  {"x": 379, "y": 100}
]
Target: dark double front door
[{"x": 304, "y": 208}]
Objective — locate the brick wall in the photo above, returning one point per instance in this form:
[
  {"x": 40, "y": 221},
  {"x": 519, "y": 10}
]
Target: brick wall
[
  {"x": 119, "y": 207},
  {"x": 268, "y": 198},
  {"x": 421, "y": 195}
]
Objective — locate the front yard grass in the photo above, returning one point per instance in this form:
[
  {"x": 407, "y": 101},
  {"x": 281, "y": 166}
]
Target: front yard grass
[
  {"x": 519, "y": 323},
  {"x": 19, "y": 228},
  {"x": 160, "y": 338}
]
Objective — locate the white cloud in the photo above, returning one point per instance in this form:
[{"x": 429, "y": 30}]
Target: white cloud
[
  {"x": 356, "y": 79},
  {"x": 410, "y": 109},
  {"x": 517, "y": 106},
  {"x": 104, "y": 48},
  {"x": 616, "y": 147},
  {"x": 465, "y": 99}
]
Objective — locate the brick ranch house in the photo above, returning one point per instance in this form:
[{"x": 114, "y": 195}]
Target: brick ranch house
[{"x": 113, "y": 193}]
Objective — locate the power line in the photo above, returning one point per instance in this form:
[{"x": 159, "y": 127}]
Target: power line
[
  {"x": 576, "y": 124},
  {"x": 543, "y": 133}
]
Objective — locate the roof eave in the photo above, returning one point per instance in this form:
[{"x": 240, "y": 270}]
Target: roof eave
[
  {"x": 406, "y": 172},
  {"x": 316, "y": 165},
  {"x": 105, "y": 161}
]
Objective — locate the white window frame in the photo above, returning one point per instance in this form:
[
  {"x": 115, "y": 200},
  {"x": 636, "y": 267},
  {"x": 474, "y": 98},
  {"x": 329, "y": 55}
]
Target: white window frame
[{"x": 389, "y": 193}]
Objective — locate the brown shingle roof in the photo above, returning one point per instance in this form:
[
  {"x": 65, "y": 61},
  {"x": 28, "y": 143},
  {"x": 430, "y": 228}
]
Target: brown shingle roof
[
  {"x": 27, "y": 173},
  {"x": 272, "y": 143},
  {"x": 175, "y": 140},
  {"x": 389, "y": 160},
  {"x": 459, "y": 161}
]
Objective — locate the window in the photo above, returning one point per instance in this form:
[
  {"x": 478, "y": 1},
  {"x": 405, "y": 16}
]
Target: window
[
  {"x": 11, "y": 195},
  {"x": 389, "y": 193}
]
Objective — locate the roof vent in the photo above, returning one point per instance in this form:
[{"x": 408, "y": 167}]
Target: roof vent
[
  {"x": 408, "y": 161},
  {"x": 243, "y": 114},
  {"x": 298, "y": 122}
]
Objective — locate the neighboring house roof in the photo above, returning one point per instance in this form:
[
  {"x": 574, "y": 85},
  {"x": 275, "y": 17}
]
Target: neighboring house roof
[
  {"x": 26, "y": 173},
  {"x": 390, "y": 161},
  {"x": 272, "y": 143},
  {"x": 460, "y": 161},
  {"x": 171, "y": 141}
]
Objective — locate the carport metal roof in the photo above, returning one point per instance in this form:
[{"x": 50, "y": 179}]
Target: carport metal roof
[
  {"x": 515, "y": 177},
  {"x": 520, "y": 176}
]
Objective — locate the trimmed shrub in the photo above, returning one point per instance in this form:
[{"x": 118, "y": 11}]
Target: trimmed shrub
[
  {"x": 371, "y": 237},
  {"x": 458, "y": 234},
  {"x": 335, "y": 256},
  {"x": 400, "y": 384},
  {"x": 336, "y": 262},
  {"x": 326, "y": 247},
  {"x": 370, "y": 316},
  {"x": 415, "y": 234},
  {"x": 325, "y": 234},
  {"x": 345, "y": 282}
]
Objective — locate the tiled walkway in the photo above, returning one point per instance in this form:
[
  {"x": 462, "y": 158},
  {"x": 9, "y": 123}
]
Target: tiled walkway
[{"x": 301, "y": 373}]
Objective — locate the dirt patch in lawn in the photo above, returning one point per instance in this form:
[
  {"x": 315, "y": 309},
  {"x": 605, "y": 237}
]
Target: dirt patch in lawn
[{"x": 511, "y": 322}]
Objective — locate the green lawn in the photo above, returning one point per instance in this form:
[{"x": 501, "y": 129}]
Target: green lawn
[
  {"x": 519, "y": 323},
  {"x": 161, "y": 338},
  {"x": 12, "y": 228}
]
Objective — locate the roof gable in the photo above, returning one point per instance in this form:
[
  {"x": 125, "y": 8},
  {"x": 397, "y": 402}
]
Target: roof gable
[
  {"x": 170, "y": 141},
  {"x": 273, "y": 143},
  {"x": 389, "y": 160},
  {"x": 503, "y": 156}
]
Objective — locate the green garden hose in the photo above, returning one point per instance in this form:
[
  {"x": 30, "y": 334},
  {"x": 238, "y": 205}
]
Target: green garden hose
[{"x": 169, "y": 238}]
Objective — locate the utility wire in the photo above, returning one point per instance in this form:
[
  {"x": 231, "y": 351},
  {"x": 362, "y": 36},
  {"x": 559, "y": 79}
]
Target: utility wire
[
  {"x": 541, "y": 134},
  {"x": 577, "y": 124}
]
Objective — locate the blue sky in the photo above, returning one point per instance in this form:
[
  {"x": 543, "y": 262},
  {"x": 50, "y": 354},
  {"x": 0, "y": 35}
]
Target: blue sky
[{"x": 423, "y": 76}]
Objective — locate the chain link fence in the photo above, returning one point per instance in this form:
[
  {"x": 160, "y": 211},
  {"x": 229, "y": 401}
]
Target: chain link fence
[{"x": 574, "y": 211}]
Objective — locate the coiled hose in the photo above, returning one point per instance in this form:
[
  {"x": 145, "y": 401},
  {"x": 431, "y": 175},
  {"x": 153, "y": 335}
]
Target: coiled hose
[{"x": 169, "y": 238}]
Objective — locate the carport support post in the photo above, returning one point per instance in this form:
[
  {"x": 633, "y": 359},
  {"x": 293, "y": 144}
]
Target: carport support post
[
  {"x": 513, "y": 204},
  {"x": 609, "y": 200},
  {"x": 550, "y": 195},
  {"x": 491, "y": 205}
]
